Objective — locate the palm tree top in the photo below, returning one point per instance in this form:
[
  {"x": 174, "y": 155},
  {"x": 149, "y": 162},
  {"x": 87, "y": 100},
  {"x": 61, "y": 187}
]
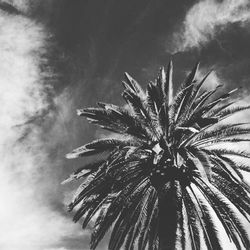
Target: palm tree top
[{"x": 171, "y": 173}]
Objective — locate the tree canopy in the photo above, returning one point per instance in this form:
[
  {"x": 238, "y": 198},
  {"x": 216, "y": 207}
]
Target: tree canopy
[{"x": 172, "y": 176}]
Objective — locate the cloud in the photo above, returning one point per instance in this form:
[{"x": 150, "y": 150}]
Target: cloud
[
  {"x": 212, "y": 81},
  {"x": 23, "y": 6},
  {"x": 28, "y": 221},
  {"x": 206, "y": 18}
]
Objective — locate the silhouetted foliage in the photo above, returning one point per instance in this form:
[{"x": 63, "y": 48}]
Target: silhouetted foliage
[{"x": 172, "y": 173}]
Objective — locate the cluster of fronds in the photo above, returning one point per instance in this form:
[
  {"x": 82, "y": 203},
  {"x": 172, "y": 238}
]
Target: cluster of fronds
[{"x": 172, "y": 178}]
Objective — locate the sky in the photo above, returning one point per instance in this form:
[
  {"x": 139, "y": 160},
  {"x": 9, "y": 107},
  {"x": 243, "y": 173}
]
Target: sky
[{"x": 60, "y": 55}]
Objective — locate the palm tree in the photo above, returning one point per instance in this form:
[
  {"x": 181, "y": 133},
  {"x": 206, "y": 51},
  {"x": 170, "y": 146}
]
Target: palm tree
[{"x": 169, "y": 176}]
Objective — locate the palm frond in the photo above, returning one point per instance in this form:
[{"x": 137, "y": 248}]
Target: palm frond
[{"x": 167, "y": 84}]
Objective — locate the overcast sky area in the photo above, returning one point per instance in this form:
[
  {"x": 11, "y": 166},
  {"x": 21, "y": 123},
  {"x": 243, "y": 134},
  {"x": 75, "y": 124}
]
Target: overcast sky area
[{"x": 60, "y": 55}]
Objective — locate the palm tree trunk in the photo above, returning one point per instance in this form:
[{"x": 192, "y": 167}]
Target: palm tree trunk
[{"x": 167, "y": 218}]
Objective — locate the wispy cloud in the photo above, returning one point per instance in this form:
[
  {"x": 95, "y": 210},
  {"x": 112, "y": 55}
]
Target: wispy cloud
[
  {"x": 207, "y": 18},
  {"x": 25, "y": 6},
  {"x": 27, "y": 219}
]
